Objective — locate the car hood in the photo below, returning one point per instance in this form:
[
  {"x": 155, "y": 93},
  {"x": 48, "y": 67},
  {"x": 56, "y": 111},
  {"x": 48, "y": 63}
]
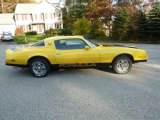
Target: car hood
[{"x": 117, "y": 45}]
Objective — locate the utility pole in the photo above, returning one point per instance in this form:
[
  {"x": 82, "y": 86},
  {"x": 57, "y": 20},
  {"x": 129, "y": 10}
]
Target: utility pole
[{"x": 2, "y": 6}]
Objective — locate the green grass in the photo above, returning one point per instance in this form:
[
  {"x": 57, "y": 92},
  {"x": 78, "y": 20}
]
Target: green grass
[{"x": 32, "y": 38}]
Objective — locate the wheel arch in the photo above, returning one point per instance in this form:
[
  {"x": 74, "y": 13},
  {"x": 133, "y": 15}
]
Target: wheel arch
[
  {"x": 124, "y": 54},
  {"x": 35, "y": 57}
]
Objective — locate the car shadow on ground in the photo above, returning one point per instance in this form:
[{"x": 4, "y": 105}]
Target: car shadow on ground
[
  {"x": 75, "y": 70},
  {"x": 105, "y": 69},
  {"x": 24, "y": 72}
]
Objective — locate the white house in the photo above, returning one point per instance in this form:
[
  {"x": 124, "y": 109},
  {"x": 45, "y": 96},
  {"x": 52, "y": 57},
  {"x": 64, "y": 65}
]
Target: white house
[
  {"x": 7, "y": 23},
  {"x": 38, "y": 16}
]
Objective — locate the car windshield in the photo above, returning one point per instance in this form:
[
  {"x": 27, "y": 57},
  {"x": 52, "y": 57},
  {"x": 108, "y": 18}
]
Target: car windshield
[
  {"x": 93, "y": 45},
  {"x": 6, "y": 33}
]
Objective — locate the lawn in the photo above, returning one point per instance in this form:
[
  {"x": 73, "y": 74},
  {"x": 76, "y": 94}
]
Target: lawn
[{"x": 32, "y": 38}]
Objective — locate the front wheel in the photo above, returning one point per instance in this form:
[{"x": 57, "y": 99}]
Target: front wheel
[
  {"x": 122, "y": 65},
  {"x": 39, "y": 67}
]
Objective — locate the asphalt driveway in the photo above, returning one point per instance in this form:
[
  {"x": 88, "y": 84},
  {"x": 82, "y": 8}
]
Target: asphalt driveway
[{"x": 86, "y": 94}]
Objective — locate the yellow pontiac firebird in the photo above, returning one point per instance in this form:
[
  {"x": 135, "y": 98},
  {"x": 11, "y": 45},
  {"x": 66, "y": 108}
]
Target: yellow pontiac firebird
[{"x": 73, "y": 51}]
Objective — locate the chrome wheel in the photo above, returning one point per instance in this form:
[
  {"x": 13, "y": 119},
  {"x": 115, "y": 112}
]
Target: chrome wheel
[
  {"x": 123, "y": 65},
  {"x": 39, "y": 68}
]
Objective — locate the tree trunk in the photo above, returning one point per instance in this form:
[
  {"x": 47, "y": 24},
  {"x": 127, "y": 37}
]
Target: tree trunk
[{"x": 2, "y": 7}]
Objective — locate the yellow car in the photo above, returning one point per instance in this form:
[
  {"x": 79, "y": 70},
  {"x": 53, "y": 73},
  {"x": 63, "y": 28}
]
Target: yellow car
[{"x": 73, "y": 51}]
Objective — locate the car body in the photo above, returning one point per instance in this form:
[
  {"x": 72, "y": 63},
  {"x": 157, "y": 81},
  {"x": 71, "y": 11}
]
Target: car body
[
  {"x": 73, "y": 51},
  {"x": 6, "y": 36},
  {"x": 0, "y": 36}
]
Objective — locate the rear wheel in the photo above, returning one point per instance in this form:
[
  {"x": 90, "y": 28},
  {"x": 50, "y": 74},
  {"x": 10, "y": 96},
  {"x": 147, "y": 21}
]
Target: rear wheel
[
  {"x": 39, "y": 67},
  {"x": 122, "y": 65}
]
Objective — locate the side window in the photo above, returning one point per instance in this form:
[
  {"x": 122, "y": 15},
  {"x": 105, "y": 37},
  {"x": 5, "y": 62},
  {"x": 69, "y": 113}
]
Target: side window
[
  {"x": 67, "y": 44},
  {"x": 41, "y": 43}
]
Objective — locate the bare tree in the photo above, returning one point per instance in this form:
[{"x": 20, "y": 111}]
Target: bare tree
[
  {"x": 8, "y": 6},
  {"x": 2, "y": 6}
]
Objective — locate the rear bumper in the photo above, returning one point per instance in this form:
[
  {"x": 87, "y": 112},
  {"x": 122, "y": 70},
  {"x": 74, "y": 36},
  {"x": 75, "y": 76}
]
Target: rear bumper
[
  {"x": 12, "y": 59},
  {"x": 6, "y": 39}
]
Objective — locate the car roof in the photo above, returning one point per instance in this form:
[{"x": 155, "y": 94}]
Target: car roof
[
  {"x": 6, "y": 32},
  {"x": 63, "y": 37}
]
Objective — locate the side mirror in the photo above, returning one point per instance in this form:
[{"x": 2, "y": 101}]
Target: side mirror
[{"x": 87, "y": 47}]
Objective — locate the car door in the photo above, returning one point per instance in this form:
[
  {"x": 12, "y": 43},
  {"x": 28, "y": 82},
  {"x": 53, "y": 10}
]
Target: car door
[{"x": 72, "y": 51}]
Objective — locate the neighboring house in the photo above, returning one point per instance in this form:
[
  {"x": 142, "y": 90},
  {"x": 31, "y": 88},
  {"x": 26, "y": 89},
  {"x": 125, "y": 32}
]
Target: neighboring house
[
  {"x": 7, "y": 23},
  {"x": 38, "y": 16}
]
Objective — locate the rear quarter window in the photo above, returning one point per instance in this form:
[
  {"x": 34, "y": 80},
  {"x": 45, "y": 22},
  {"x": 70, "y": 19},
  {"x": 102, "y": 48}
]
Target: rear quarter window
[{"x": 39, "y": 44}]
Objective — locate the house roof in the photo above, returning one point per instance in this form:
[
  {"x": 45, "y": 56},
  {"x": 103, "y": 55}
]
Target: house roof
[
  {"x": 7, "y": 18},
  {"x": 23, "y": 8}
]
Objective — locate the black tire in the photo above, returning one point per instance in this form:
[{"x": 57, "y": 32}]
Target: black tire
[
  {"x": 122, "y": 64},
  {"x": 39, "y": 67}
]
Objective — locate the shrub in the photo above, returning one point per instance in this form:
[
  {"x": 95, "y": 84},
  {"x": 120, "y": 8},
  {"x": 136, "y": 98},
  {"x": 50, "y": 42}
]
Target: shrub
[
  {"x": 82, "y": 26},
  {"x": 100, "y": 34},
  {"x": 51, "y": 31},
  {"x": 62, "y": 31},
  {"x": 31, "y": 33}
]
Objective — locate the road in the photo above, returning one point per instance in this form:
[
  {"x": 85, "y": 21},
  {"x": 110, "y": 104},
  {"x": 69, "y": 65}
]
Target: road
[{"x": 86, "y": 94}]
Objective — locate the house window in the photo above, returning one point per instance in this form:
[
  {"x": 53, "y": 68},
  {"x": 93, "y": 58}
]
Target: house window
[
  {"x": 29, "y": 27},
  {"x": 40, "y": 28},
  {"x": 35, "y": 16},
  {"x": 51, "y": 15},
  {"x": 55, "y": 26},
  {"x": 46, "y": 15},
  {"x": 46, "y": 26},
  {"x": 17, "y": 17},
  {"x": 31, "y": 16},
  {"x": 21, "y": 27},
  {"x": 22, "y": 17},
  {"x": 41, "y": 16},
  {"x": 25, "y": 17},
  {"x": 60, "y": 26},
  {"x": 24, "y": 29}
]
